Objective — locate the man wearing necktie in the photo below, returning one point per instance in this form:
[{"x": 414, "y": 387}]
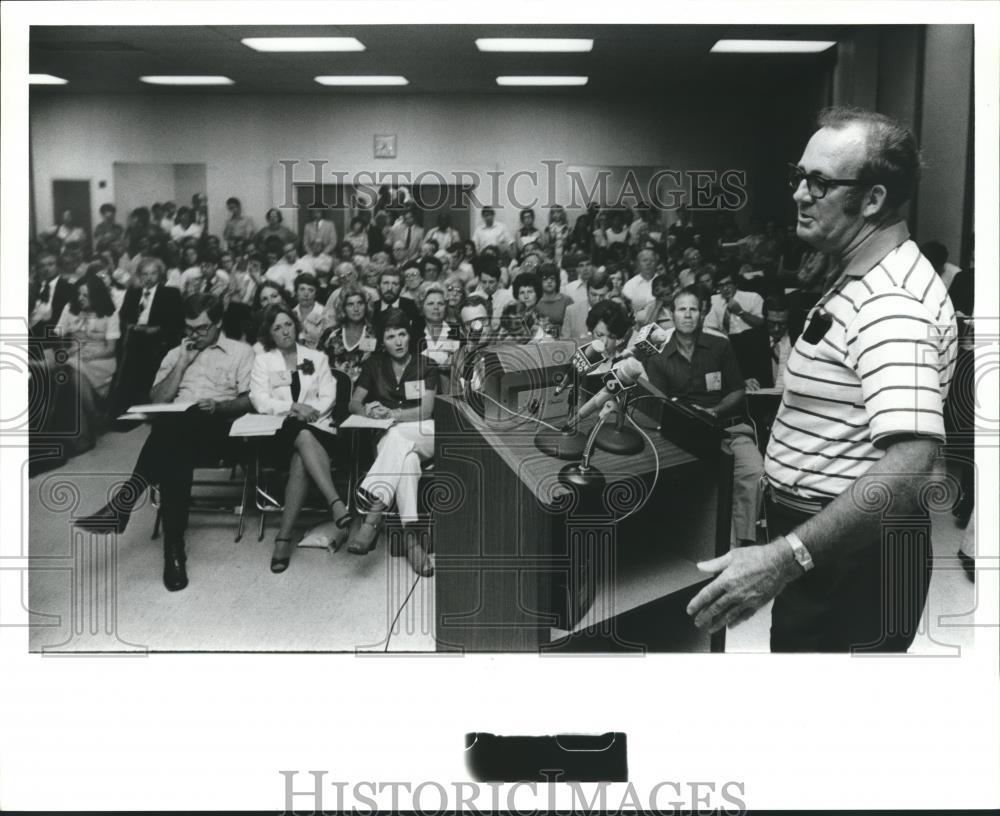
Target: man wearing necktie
[
  {"x": 152, "y": 322},
  {"x": 409, "y": 232}
]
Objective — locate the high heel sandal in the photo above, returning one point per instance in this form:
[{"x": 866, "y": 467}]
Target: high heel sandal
[
  {"x": 343, "y": 525},
  {"x": 364, "y": 538},
  {"x": 420, "y": 560},
  {"x": 280, "y": 564}
]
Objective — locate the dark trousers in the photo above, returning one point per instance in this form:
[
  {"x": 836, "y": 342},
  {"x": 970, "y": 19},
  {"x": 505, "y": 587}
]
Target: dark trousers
[
  {"x": 175, "y": 445},
  {"x": 870, "y": 602}
]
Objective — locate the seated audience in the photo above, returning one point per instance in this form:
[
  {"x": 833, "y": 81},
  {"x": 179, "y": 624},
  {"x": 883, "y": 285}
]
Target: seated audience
[
  {"x": 238, "y": 227},
  {"x": 352, "y": 341},
  {"x": 489, "y": 233},
  {"x": 152, "y": 321},
  {"x": 658, "y": 310},
  {"x": 440, "y": 339},
  {"x": 185, "y": 226},
  {"x": 638, "y": 290},
  {"x": 389, "y": 287},
  {"x": 48, "y": 293},
  {"x": 455, "y": 298},
  {"x": 274, "y": 229},
  {"x": 408, "y": 233},
  {"x": 575, "y": 321},
  {"x": 739, "y": 315},
  {"x": 497, "y": 299},
  {"x": 108, "y": 231},
  {"x": 521, "y": 321},
  {"x": 430, "y": 269},
  {"x": 293, "y": 381},
  {"x": 319, "y": 228},
  {"x": 578, "y": 268},
  {"x": 701, "y": 369},
  {"x": 213, "y": 372},
  {"x": 308, "y": 313},
  {"x": 776, "y": 317},
  {"x": 283, "y": 270},
  {"x": 89, "y": 326},
  {"x": 528, "y": 235},
  {"x": 413, "y": 280},
  {"x": 67, "y": 231},
  {"x": 557, "y": 233},
  {"x": 206, "y": 277},
  {"x": 552, "y": 305},
  {"x": 245, "y": 278},
  {"x": 444, "y": 233},
  {"x": 357, "y": 236},
  {"x": 399, "y": 385}
]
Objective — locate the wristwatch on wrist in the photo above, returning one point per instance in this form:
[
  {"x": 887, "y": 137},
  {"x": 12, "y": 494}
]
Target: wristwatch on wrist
[{"x": 799, "y": 551}]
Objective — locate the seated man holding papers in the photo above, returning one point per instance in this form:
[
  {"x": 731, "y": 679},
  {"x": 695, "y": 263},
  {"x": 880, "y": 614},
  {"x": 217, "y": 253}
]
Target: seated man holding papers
[{"x": 208, "y": 377}]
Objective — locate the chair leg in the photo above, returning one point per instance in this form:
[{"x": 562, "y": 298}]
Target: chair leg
[
  {"x": 156, "y": 524},
  {"x": 260, "y": 532}
]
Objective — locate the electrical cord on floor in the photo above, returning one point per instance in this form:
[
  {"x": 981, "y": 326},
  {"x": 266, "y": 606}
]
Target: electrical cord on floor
[{"x": 399, "y": 612}]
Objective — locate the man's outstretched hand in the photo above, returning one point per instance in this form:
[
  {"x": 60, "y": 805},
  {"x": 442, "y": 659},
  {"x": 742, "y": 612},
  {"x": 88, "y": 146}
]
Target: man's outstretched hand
[{"x": 746, "y": 579}]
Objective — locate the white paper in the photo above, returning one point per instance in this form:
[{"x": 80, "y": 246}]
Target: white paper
[
  {"x": 358, "y": 421},
  {"x": 161, "y": 408},
  {"x": 256, "y": 425}
]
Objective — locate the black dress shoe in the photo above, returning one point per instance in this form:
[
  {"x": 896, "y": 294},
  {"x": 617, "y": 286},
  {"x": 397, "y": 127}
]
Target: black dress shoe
[
  {"x": 174, "y": 572},
  {"x": 105, "y": 520},
  {"x": 968, "y": 564}
]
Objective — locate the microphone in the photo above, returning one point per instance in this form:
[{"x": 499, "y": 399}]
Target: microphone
[
  {"x": 649, "y": 341},
  {"x": 585, "y": 360},
  {"x": 624, "y": 375}
]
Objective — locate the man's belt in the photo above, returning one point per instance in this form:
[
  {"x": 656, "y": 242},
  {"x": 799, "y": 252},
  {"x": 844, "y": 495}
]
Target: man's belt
[{"x": 797, "y": 504}]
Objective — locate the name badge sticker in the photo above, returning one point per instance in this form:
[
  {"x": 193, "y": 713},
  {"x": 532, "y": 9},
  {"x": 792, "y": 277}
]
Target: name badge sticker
[
  {"x": 279, "y": 378},
  {"x": 713, "y": 381},
  {"x": 413, "y": 389},
  {"x": 366, "y": 344}
]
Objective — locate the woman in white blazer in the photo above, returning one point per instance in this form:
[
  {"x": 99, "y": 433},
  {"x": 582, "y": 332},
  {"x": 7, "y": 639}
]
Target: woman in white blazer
[{"x": 293, "y": 381}]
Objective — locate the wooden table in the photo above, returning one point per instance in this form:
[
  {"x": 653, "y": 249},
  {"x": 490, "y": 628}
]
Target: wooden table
[{"x": 524, "y": 563}]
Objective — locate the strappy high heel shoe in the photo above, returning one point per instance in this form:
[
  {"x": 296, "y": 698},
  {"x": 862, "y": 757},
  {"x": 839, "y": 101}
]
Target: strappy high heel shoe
[
  {"x": 364, "y": 538},
  {"x": 280, "y": 564},
  {"x": 343, "y": 524}
]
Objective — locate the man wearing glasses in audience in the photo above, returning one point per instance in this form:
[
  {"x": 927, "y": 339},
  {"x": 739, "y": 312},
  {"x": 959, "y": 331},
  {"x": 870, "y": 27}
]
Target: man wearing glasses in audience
[
  {"x": 212, "y": 373},
  {"x": 854, "y": 443}
]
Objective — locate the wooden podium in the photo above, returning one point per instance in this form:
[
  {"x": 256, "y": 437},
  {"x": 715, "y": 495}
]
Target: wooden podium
[{"x": 525, "y": 564}]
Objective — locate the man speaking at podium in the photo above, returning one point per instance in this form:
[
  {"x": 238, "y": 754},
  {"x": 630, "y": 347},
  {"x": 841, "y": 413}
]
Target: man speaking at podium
[
  {"x": 855, "y": 439},
  {"x": 700, "y": 368}
]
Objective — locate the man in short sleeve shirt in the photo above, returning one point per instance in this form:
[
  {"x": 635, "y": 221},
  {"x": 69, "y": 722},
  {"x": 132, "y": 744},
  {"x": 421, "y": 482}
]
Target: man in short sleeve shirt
[
  {"x": 212, "y": 373},
  {"x": 853, "y": 445},
  {"x": 701, "y": 369}
]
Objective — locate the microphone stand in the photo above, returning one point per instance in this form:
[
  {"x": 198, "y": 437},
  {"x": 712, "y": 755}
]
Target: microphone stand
[
  {"x": 567, "y": 442},
  {"x": 619, "y": 438},
  {"x": 583, "y": 476}
]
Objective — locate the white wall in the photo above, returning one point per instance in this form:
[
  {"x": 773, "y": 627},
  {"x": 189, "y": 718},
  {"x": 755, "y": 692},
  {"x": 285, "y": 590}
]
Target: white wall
[{"x": 241, "y": 138}]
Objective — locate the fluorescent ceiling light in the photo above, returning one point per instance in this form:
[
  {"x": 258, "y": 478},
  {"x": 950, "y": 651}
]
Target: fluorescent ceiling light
[
  {"x": 45, "y": 79},
  {"x": 303, "y": 44},
  {"x": 772, "y": 46},
  {"x": 534, "y": 44},
  {"x": 186, "y": 80},
  {"x": 362, "y": 80},
  {"x": 542, "y": 80}
]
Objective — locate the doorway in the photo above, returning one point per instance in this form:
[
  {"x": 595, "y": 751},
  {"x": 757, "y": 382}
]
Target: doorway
[{"x": 73, "y": 195}]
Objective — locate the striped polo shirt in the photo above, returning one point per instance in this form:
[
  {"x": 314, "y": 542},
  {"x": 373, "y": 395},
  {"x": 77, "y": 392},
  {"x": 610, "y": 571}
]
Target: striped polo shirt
[{"x": 881, "y": 370}]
